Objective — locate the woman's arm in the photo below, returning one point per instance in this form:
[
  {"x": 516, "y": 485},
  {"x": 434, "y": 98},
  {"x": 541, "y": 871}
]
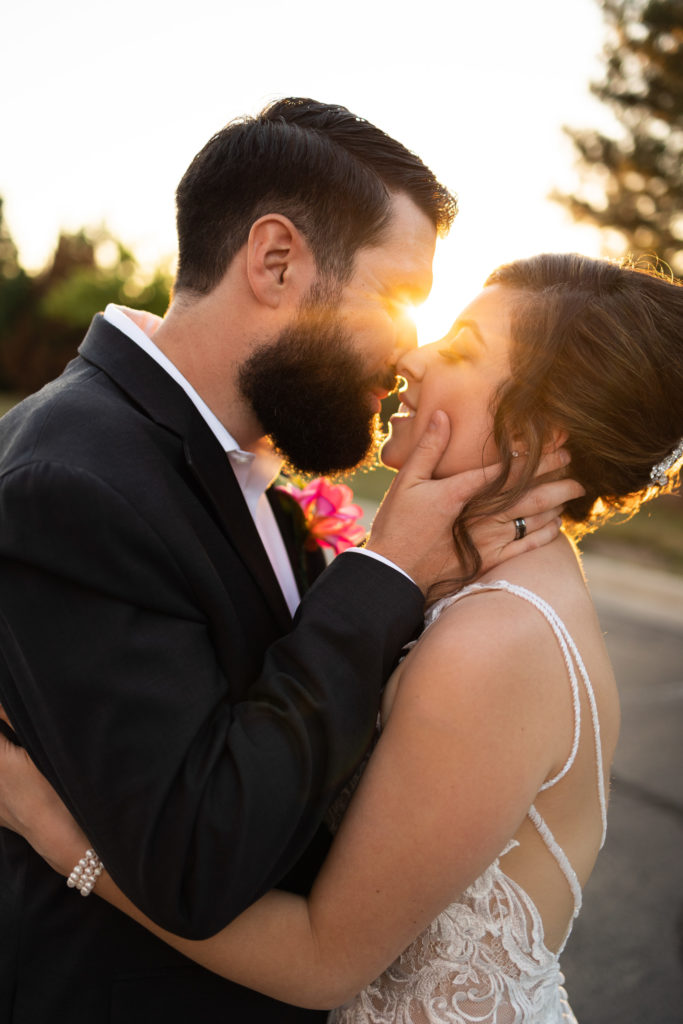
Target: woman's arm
[{"x": 470, "y": 739}]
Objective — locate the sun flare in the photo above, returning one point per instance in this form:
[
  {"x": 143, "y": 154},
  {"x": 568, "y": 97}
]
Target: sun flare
[
  {"x": 453, "y": 288},
  {"x": 464, "y": 260}
]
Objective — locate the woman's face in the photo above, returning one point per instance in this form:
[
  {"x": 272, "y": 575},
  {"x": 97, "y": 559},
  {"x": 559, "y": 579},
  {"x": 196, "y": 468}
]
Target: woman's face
[{"x": 458, "y": 374}]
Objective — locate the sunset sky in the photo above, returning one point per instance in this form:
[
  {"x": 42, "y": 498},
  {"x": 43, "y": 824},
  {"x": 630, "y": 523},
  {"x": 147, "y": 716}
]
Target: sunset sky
[{"x": 104, "y": 105}]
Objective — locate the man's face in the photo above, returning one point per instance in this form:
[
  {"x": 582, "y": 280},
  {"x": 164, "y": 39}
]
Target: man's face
[{"x": 317, "y": 388}]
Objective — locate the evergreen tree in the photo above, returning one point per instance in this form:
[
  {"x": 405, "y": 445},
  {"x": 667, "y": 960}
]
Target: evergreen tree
[{"x": 633, "y": 183}]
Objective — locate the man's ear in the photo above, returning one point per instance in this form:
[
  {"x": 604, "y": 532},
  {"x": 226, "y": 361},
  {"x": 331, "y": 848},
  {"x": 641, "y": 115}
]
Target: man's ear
[{"x": 280, "y": 265}]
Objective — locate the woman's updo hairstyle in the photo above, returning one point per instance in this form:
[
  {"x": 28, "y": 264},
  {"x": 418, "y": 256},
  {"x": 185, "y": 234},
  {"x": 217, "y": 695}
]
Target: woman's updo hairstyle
[{"x": 597, "y": 351}]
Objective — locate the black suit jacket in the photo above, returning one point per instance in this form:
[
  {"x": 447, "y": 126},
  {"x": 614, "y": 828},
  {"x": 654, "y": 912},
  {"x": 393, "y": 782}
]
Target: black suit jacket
[{"x": 149, "y": 664}]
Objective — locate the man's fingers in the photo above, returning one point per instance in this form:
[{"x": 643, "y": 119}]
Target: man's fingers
[
  {"x": 552, "y": 461},
  {"x": 546, "y": 497},
  {"x": 535, "y": 522},
  {"x": 536, "y": 538},
  {"x": 421, "y": 463}
]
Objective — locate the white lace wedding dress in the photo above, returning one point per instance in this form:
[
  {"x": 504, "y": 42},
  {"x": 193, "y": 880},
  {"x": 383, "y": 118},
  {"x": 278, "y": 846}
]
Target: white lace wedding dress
[{"x": 484, "y": 959}]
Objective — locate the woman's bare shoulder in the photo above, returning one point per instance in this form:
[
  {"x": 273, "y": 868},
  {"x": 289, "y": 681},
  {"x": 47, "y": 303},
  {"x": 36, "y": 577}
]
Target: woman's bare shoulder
[{"x": 490, "y": 649}]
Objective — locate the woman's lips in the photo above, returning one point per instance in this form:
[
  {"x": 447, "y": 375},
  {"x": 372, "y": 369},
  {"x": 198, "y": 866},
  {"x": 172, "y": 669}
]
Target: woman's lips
[{"x": 405, "y": 412}]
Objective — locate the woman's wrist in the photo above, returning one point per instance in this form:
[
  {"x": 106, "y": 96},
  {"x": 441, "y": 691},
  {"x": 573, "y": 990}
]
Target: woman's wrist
[
  {"x": 60, "y": 843},
  {"x": 52, "y": 832},
  {"x": 84, "y": 875},
  {"x": 31, "y": 808}
]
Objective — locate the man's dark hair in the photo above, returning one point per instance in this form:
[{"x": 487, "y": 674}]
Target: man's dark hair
[{"x": 327, "y": 170}]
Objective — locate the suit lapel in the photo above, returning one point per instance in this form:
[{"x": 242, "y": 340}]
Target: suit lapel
[
  {"x": 154, "y": 391},
  {"x": 211, "y": 467},
  {"x": 306, "y": 565}
]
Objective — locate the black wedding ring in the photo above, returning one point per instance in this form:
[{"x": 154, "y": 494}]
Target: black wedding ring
[{"x": 520, "y": 528}]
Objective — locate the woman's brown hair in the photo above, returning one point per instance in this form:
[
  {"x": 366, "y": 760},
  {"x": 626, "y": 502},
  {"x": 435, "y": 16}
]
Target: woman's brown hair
[{"x": 597, "y": 351}]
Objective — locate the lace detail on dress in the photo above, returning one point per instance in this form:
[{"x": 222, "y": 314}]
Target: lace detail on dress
[{"x": 483, "y": 960}]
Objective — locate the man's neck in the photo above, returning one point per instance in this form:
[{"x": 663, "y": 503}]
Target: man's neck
[{"x": 202, "y": 351}]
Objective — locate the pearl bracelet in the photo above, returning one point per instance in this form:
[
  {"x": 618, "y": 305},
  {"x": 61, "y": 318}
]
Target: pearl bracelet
[{"x": 86, "y": 873}]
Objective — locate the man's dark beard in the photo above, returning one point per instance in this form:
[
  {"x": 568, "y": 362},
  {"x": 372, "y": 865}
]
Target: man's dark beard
[{"x": 310, "y": 392}]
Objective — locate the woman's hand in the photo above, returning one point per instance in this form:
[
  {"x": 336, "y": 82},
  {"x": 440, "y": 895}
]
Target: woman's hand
[{"x": 31, "y": 807}]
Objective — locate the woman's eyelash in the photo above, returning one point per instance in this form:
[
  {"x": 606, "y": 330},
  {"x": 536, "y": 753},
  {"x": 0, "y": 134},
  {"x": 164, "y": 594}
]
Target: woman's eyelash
[{"x": 451, "y": 354}]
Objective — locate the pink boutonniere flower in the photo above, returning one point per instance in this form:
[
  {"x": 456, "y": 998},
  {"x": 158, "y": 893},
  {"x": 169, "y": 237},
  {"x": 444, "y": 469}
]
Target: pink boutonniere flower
[{"x": 329, "y": 513}]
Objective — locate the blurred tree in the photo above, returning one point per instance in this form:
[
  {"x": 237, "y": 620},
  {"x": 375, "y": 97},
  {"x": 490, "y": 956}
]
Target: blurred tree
[
  {"x": 633, "y": 184},
  {"x": 43, "y": 318},
  {"x": 14, "y": 285}
]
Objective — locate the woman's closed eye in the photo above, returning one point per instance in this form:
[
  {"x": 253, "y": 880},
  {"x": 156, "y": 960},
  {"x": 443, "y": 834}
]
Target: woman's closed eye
[
  {"x": 454, "y": 352},
  {"x": 464, "y": 342}
]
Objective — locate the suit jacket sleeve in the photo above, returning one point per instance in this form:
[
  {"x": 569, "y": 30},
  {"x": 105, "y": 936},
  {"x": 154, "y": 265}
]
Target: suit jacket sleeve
[{"x": 196, "y": 803}]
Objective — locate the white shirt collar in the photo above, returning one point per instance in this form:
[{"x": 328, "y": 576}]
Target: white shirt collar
[{"x": 255, "y": 471}]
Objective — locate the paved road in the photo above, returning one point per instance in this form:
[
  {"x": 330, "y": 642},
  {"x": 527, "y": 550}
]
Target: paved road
[{"x": 624, "y": 961}]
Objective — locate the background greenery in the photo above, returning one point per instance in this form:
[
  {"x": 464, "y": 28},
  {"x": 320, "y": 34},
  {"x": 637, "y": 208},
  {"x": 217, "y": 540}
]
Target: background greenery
[{"x": 44, "y": 316}]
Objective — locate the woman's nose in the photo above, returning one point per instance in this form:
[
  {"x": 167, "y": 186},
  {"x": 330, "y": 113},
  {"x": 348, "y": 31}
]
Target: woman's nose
[{"x": 413, "y": 364}]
